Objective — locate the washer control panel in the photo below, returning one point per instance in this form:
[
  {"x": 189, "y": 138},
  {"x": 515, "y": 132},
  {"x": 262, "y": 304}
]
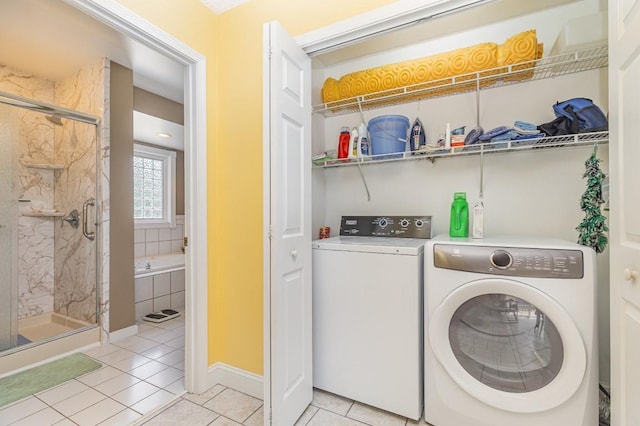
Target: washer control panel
[
  {"x": 386, "y": 226},
  {"x": 510, "y": 261}
]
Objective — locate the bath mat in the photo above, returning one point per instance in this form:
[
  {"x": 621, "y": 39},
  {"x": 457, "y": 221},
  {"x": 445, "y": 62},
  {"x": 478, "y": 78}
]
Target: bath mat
[{"x": 36, "y": 379}]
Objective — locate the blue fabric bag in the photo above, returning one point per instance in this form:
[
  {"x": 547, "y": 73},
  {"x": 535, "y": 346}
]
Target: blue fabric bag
[{"x": 588, "y": 116}]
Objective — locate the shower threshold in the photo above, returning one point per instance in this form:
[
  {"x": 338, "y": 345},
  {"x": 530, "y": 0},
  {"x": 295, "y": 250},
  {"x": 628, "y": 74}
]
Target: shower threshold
[
  {"x": 161, "y": 316},
  {"x": 45, "y": 326}
]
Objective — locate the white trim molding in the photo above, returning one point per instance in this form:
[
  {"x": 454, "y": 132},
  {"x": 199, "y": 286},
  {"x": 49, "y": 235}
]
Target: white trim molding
[
  {"x": 236, "y": 378},
  {"x": 378, "y": 21},
  {"x": 123, "y": 333},
  {"x": 196, "y": 319}
]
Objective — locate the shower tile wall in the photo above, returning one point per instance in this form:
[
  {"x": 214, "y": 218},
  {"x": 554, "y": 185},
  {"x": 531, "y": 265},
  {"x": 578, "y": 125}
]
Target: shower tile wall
[
  {"x": 155, "y": 241},
  {"x": 75, "y": 294},
  {"x": 33, "y": 141}
]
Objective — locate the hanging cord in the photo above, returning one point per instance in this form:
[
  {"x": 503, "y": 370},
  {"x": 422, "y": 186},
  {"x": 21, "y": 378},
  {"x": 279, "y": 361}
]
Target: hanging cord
[
  {"x": 360, "y": 109},
  {"x": 364, "y": 181}
]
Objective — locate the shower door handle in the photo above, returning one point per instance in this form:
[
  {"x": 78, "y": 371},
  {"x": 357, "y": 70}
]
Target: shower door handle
[{"x": 85, "y": 208}]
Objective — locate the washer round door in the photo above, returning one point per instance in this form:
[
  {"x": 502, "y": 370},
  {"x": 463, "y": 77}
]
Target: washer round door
[{"x": 509, "y": 345}]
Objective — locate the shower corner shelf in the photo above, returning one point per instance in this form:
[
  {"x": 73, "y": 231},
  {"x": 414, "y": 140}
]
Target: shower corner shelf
[
  {"x": 43, "y": 214},
  {"x": 44, "y": 166},
  {"x": 549, "y": 67}
]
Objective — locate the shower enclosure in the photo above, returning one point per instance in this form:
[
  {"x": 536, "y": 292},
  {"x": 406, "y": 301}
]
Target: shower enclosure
[{"x": 48, "y": 218}]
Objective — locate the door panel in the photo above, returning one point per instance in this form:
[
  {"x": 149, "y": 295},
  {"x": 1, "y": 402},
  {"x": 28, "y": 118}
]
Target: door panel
[
  {"x": 288, "y": 145},
  {"x": 624, "y": 86}
]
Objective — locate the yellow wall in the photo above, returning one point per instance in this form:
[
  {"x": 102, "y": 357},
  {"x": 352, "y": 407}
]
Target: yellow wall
[{"x": 232, "y": 43}]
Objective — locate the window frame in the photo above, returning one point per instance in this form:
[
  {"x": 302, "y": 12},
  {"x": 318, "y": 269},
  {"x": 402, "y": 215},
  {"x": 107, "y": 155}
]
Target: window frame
[{"x": 168, "y": 159}]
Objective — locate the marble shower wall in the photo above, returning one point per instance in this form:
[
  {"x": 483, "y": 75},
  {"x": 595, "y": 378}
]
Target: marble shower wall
[
  {"x": 32, "y": 137},
  {"x": 37, "y": 141},
  {"x": 75, "y": 293}
]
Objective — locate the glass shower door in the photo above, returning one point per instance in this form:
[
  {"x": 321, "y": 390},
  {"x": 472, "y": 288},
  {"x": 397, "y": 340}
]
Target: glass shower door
[
  {"x": 48, "y": 219},
  {"x": 8, "y": 240}
]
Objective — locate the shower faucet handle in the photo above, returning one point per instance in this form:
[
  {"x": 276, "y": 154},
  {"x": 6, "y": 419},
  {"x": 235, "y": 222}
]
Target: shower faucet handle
[{"x": 73, "y": 218}]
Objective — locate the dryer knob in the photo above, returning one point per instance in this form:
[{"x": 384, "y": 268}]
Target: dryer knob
[{"x": 501, "y": 259}]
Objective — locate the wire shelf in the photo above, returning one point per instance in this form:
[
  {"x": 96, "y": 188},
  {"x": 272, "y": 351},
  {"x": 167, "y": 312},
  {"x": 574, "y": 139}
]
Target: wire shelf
[
  {"x": 553, "y": 66},
  {"x": 564, "y": 141}
]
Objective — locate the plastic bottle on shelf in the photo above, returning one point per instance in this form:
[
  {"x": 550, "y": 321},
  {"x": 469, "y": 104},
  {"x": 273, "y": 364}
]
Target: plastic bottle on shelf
[
  {"x": 343, "y": 143},
  {"x": 363, "y": 144},
  {"x": 353, "y": 143},
  {"x": 459, "y": 220},
  {"x": 447, "y": 137},
  {"x": 478, "y": 220}
]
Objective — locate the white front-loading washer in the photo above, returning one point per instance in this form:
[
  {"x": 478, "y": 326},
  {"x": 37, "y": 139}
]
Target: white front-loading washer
[
  {"x": 510, "y": 329},
  {"x": 367, "y": 312}
]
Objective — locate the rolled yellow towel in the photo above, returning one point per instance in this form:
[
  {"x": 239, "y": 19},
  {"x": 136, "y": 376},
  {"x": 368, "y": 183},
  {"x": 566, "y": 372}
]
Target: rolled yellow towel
[{"x": 437, "y": 70}]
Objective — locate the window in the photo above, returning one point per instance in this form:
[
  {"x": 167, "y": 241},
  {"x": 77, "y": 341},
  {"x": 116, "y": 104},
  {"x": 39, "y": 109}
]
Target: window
[{"x": 153, "y": 186}]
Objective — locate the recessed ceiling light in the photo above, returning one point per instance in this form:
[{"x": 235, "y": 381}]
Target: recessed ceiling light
[{"x": 163, "y": 135}]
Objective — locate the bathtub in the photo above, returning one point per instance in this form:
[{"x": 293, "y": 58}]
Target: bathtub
[{"x": 152, "y": 265}]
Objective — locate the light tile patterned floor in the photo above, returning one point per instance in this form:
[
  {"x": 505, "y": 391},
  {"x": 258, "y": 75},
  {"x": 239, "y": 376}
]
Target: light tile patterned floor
[
  {"x": 144, "y": 372},
  {"x": 139, "y": 374},
  {"x": 225, "y": 406}
]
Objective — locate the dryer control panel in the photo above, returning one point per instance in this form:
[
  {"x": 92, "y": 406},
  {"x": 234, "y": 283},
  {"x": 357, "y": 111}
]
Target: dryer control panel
[
  {"x": 386, "y": 226},
  {"x": 510, "y": 261}
]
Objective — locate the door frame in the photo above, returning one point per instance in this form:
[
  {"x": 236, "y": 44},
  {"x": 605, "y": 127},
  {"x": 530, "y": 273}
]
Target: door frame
[{"x": 132, "y": 26}]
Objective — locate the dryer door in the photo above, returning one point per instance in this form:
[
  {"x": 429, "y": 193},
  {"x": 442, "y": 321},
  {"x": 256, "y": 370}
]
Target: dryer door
[{"x": 509, "y": 345}]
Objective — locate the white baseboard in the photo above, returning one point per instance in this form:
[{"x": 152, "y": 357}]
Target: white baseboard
[
  {"x": 123, "y": 333},
  {"x": 236, "y": 378}
]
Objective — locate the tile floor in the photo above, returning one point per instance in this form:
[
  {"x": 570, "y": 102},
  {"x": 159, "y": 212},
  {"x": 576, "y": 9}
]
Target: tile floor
[
  {"x": 221, "y": 406},
  {"x": 139, "y": 374},
  {"x": 144, "y": 372}
]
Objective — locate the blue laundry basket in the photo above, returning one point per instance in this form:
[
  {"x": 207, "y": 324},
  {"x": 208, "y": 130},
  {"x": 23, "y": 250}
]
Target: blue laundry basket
[{"x": 388, "y": 134}]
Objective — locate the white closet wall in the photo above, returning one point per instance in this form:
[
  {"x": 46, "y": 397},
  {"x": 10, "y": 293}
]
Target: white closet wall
[{"x": 535, "y": 192}]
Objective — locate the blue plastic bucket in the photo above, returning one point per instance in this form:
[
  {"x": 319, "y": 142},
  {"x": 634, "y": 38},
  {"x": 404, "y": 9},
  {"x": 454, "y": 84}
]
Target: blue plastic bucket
[{"x": 388, "y": 134}]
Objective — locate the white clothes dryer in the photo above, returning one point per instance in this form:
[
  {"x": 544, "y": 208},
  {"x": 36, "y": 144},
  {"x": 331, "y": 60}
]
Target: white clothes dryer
[{"x": 511, "y": 334}]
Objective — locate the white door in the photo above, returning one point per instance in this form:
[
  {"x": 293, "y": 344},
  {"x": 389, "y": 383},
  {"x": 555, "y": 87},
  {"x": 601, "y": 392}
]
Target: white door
[
  {"x": 287, "y": 151},
  {"x": 624, "y": 154}
]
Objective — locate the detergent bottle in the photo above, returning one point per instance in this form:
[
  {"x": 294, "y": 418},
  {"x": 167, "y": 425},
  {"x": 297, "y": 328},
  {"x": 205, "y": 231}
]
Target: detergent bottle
[
  {"x": 478, "y": 220},
  {"x": 363, "y": 146},
  {"x": 459, "y": 222},
  {"x": 343, "y": 143},
  {"x": 353, "y": 143}
]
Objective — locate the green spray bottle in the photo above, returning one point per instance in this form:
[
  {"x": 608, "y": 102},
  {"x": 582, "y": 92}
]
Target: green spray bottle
[{"x": 459, "y": 222}]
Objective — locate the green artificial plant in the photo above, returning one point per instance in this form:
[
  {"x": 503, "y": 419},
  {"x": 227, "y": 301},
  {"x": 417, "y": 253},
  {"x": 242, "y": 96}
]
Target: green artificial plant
[{"x": 593, "y": 227}]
